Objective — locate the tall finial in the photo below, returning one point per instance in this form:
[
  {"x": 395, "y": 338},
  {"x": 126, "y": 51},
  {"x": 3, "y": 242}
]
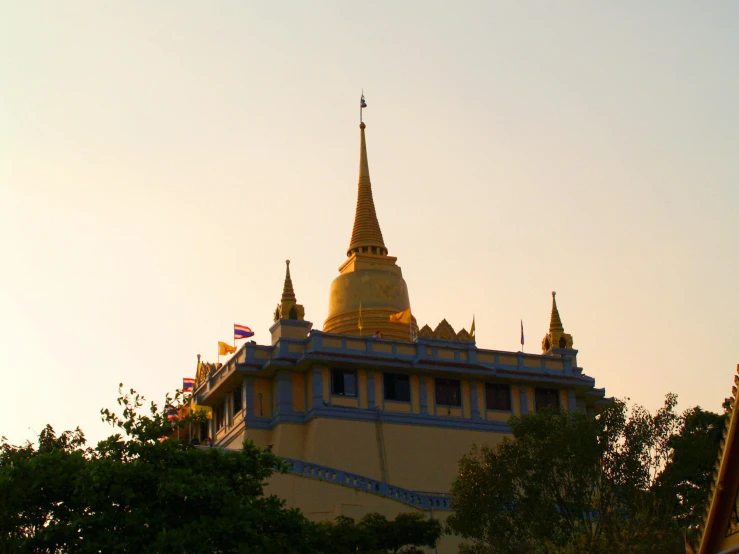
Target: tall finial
[
  {"x": 555, "y": 323},
  {"x": 366, "y": 234},
  {"x": 362, "y": 105},
  {"x": 288, "y": 293}
]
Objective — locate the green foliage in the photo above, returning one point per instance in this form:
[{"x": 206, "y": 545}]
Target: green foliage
[
  {"x": 140, "y": 493},
  {"x": 374, "y": 534},
  {"x": 144, "y": 491},
  {"x": 571, "y": 483},
  {"x": 693, "y": 457}
]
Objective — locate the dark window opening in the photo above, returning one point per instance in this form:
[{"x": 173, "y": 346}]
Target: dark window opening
[
  {"x": 343, "y": 383},
  {"x": 397, "y": 387},
  {"x": 237, "y": 401},
  {"x": 562, "y": 343},
  {"x": 448, "y": 392},
  {"x": 547, "y": 397},
  {"x": 293, "y": 313},
  {"x": 221, "y": 415},
  {"x": 547, "y": 344},
  {"x": 498, "y": 397}
]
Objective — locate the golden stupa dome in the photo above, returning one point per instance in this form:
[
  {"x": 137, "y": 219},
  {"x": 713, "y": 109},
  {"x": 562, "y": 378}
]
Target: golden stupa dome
[{"x": 371, "y": 287}]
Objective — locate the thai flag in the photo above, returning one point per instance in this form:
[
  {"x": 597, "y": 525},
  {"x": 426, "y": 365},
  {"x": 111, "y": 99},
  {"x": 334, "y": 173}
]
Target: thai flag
[
  {"x": 171, "y": 413},
  {"x": 188, "y": 384},
  {"x": 242, "y": 332}
]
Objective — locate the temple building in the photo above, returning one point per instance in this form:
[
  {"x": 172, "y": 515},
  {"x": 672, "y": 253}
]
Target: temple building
[{"x": 373, "y": 412}]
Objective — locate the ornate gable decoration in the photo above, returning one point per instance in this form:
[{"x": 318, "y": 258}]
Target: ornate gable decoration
[
  {"x": 204, "y": 371},
  {"x": 444, "y": 331},
  {"x": 426, "y": 332}
]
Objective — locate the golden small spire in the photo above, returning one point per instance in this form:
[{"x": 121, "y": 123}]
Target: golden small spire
[
  {"x": 555, "y": 323},
  {"x": 366, "y": 234},
  {"x": 288, "y": 293}
]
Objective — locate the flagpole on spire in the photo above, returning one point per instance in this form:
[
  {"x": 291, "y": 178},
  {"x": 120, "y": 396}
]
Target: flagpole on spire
[{"x": 362, "y": 105}]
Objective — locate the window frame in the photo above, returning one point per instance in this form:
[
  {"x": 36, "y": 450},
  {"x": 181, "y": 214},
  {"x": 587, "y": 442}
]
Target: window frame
[
  {"x": 448, "y": 383},
  {"x": 344, "y": 372},
  {"x": 385, "y": 377},
  {"x": 499, "y": 386},
  {"x": 237, "y": 394},
  {"x": 541, "y": 391}
]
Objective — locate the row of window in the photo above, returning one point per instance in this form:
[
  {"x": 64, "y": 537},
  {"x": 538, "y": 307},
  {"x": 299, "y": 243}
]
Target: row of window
[
  {"x": 397, "y": 388},
  {"x": 221, "y": 412}
]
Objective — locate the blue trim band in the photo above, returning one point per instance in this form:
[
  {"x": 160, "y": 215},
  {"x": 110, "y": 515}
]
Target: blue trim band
[{"x": 423, "y": 501}]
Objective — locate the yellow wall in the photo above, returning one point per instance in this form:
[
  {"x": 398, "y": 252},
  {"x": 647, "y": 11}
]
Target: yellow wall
[
  {"x": 344, "y": 444},
  {"x": 516, "y": 399},
  {"x": 403, "y": 407},
  {"x": 425, "y": 458},
  {"x": 263, "y": 386},
  {"x": 415, "y": 394},
  {"x": 466, "y": 393},
  {"x": 345, "y": 401},
  {"x": 430, "y": 398}
]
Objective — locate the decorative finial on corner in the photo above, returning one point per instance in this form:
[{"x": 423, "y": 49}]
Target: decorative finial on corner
[
  {"x": 554, "y": 294},
  {"x": 287, "y": 262},
  {"x": 198, "y": 358}
]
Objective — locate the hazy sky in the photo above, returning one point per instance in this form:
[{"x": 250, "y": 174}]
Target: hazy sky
[{"x": 160, "y": 160}]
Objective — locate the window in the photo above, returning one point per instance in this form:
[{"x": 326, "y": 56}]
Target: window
[
  {"x": 221, "y": 415},
  {"x": 448, "y": 392},
  {"x": 237, "y": 401},
  {"x": 397, "y": 387},
  {"x": 498, "y": 397},
  {"x": 343, "y": 383},
  {"x": 547, "y": 397}
]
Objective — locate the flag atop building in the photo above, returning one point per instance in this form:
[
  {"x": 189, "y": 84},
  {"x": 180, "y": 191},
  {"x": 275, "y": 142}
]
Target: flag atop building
[
  {"x": 224, "y": 348},
  {"x": 242, "y": 332},
  {"x": 188, "y": 384},
  {"x": 522, "y": 333}
]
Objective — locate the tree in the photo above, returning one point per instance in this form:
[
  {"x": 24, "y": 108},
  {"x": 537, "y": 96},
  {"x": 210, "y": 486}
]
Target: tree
[
  {"x": 571, "y": 483},
  {"x": 143, "y": 490},
  {"x": 142, "y": 493},
  {"x": 374, "y": 534},
  {"x": 689, "y": 473}
]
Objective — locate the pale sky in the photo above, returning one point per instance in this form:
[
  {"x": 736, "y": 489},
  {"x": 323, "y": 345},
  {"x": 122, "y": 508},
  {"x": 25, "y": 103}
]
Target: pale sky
[{"x": 160, "y": 160}]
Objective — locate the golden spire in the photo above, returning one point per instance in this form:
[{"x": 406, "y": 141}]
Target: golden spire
[
  {"x": 366, "y": 234},
  {"x": 555, "y": 323},
  {"x": 288, "y": 293},
  {"x": 288, "y": 308}
]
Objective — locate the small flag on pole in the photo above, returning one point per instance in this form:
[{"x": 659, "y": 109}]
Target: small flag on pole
[
  {"x": 171, "y": 413},
  {"x": 242, "y": 332},
  {"x": 188, "y": 384},
  {"x": 224, "y": 348},
  {"x": 362, "y": 103},
  {"x": 522, "y": 334},
  {"x": 402, "y": 317}
]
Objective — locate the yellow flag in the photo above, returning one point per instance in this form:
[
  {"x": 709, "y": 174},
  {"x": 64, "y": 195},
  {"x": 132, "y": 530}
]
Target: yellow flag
[
  {"x": 402, "y": 317},
  {"x": 224, "y": 348},
  {"x": 198, "y": 409}
]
